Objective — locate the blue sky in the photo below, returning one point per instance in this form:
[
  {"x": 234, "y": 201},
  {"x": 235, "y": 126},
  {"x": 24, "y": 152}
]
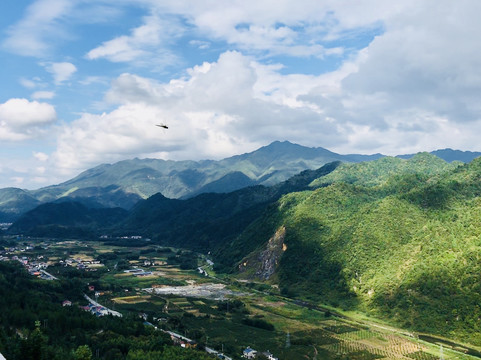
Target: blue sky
[{"x": 85, "y": 81}]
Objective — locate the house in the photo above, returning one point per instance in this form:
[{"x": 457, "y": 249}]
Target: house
[
  {"x": 188, "y": 344},
  {"x": 181, "y": 340},
  {"x": 133, "y": 271},
  {"x": 2, "y": 357},
  {"x": 269, "y": 355},
  {"x": 66, "y": 303},
  {"x": 249, "y": 353}
]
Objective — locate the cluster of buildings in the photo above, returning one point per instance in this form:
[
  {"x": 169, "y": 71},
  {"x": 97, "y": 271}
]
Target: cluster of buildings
[
  {"x": 35, "y": 266},
  {"x": 181, "y": 340},
  {"x": 131, "y": 237},
  {"x": 13, "y": 251},
  {"x": 250, "y": 353},
  {"x": 82, "y": 264},
  {"x": 5, "y": 226},
  {"x": 189, "y": 343},
  {"x": 99, "y": 310},
  {"x": 138, "y": 272}
]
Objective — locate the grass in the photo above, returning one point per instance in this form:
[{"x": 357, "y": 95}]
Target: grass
[{"x": 130, "y": 281}]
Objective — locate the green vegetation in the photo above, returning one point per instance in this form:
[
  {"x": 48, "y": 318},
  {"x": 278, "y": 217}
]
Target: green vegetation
[
  {"x": 397, "y": 240},
  {"x": 249, "y": 316},
  {"x": 388, "y": 169},
  {"x": 35, "y": 326},
  {"x": 392, "y": 238}
]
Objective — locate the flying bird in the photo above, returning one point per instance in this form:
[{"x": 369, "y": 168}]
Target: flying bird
[{"x": 162, "y": 126}]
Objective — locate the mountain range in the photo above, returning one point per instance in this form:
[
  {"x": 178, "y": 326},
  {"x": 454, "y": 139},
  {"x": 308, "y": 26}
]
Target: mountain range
[
  {"x": 124, "y": 183},
  {"x": 395, "y": 238}
]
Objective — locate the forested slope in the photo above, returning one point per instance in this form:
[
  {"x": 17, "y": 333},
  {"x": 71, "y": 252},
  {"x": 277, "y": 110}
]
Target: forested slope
[{"x": 394, "y": 238}]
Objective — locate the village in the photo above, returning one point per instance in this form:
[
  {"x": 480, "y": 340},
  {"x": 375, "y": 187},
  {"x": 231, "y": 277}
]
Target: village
[
  {"x": 37, "y": 264},
  {"x": 227, "y": 318}
]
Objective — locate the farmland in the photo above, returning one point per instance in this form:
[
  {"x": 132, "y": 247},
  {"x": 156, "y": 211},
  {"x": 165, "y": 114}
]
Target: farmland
[{"x": 221, "y": 313}]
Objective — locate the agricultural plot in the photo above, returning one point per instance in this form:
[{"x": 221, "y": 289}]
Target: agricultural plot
[
  {"x": 131, "y": 299},
  {"x": 421, "y": 355},
  {"x": 189, "y": 302},
  {"x": 340, "y": 329},
  {"x": 368, "y": 344},
  {"x": 131, "y": 281}
]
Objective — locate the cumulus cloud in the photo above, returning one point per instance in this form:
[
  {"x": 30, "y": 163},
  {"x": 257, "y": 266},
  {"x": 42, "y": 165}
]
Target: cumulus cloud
[
  {"x": 401, "y": 77},
  {"x": 380, "y": 100},
  {"x": 21, "y": 119},
  {"x": 61, "y": 71},
  {"x": 414, "y": 87},
  {"x": 218, "y": 110}
]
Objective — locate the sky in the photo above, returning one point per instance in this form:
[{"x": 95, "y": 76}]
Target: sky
[{"x": 84, "y": 82}]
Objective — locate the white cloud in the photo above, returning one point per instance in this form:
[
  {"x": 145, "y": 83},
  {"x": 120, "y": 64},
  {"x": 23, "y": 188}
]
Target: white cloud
[
  {"x": 32, "y": 83},
  {"x": 415, "y": 86},
  {"x": 27, "y": 172},
  {"x": 17, "y": 180},
  {"x": 302, "y": 28},
  {"x": 200, "y": 44},
  {"x": 21, "y": 119},
  {"x": 146, "y": 44},
  {"x": 61, "y": 71},
  {"x": 40, "y": 156},
  {"x": 34, "y": 34},
  {"x": 220, "y": 109},
  {"x": 37, "y": 95},
  {"x": 29, "y": 84},
  {"x": 94, "y": 80}
]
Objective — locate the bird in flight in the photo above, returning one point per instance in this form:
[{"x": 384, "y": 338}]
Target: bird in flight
[{"x": 162, "y": 126}]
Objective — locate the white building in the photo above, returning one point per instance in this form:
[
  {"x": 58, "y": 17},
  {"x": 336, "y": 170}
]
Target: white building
[{"x": 249, "y": 353}]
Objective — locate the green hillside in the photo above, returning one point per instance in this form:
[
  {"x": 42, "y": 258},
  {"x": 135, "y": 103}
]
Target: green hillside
[
  {"x": 393, "y": 238},
  {"x": 381, "y": 171}
]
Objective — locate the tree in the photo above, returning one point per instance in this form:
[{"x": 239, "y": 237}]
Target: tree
[
  {"x": 34, "y": 346},
  {"x": 83, "y": 352}
]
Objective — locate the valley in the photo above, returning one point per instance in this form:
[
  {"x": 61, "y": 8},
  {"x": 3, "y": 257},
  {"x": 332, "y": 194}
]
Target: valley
[
  {"x": 164, "y": 287},
  {"x": 343, "y": 256}
]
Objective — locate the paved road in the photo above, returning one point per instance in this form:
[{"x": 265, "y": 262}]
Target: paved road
[{"x": 110, "y": 312}]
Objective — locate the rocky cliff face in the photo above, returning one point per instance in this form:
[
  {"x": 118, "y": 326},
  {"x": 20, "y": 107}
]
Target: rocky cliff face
[{"x": 264, "y": 264}]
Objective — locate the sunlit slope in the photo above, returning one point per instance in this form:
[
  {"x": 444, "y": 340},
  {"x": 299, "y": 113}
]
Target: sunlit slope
[
  {"x": 387, "y": 169},
  {"x": 406, "y": 247}
]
